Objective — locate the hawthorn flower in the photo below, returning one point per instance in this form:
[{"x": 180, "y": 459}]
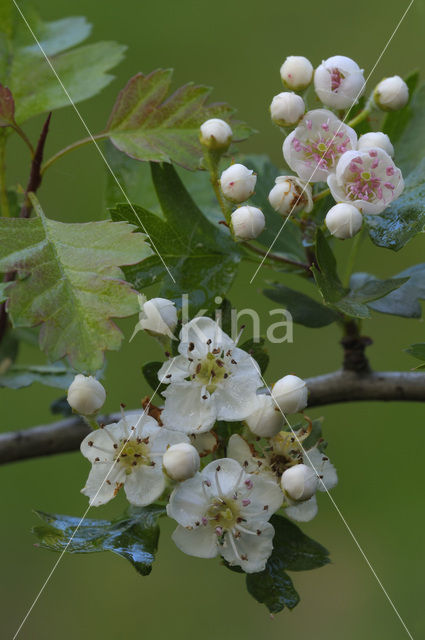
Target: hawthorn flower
[
  {"x": 212, "y": 379},
  {"x": 157, "y": 317},
  {"x": 224, "y": 510},
  {"x": 391, "y": 94},
  {"x": 290, "y": 195},
  {"x": 313, "y": 149},
  {"x": 181, "y": 461},
  {"x": 299, "y": 482},
  {"x": 128, "y": 454},
  {"x": 367, "y": 179},
  {"x": 86, "y": 395},
  {"x": 344, "y": 220},
  {"x": 290, "y": 394},
  {"x": 248, "y": 222},
  {"x": 376, "y": 139},
  {"x": 339, "y": 82},
  {"x": 216, "y": 134},
  {"x": 238, "y": 183},
  {"x": 266, "y": 420},
  {"x": 296, "y": 72},
  {"x": 287, "y": 108}
]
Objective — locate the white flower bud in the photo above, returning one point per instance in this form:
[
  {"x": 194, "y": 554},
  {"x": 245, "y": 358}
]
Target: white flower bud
[
  {"x": 391, "y": 94},
  {"x": 267, "y": 420},
  {"x": 287, "y": 108},
  {"x": 376, "y": 139},
  {"x": 344, "y": 220},
  {"x": 290, "y": 393},
  {"x": 248, "y": 222},
  {"x": 296, "y": 72},
  {"x": 181, "y": 461},
  {"x": 216, "y": 134},
  {"x": 86, "y": 395},
  {"x": 290, "y": 195},
  {"x": 158, "y": 317},
  {"x": 238, "y": 183},
  {"x": 299, "y": 482},
  {"x": 339, "y": 82}
]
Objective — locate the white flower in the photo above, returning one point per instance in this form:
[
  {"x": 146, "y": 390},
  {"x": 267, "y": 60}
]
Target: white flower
[
  {"x": 248, "y": 222},
  {"x": 86, "y": 395},
  {"x": 344, "y": 220},
  {"x": 238, "y": 183},
  {"x": 299, "y": 482},
  {"x": 376, "y": 139},
  {"x": 287, "y": 108},
  {"x": 367, "y": 179},
  {"x": 266, "y": 420},
  {"x": 216, "y": 134},
  {"x": 339, "y": 82},
  {"x": 313, "y": 149},
  {"x": 225, "y": 511},
  {"x": 290, "y": 195},
  {"x": 296, "y": 72},
  {"x": 158, "y": 317},
  {"x": 211, "y": 380},
  {"x": 205, "y": 443},
  {"x": 290, "y": 394},
  {"x": 128, "y": 453},
  {"x": 391, "y": 94},
  {"x": 181, "y": 461}
]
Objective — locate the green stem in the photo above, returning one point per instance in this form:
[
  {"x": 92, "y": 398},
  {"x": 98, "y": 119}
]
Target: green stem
[
  {"x": 211, "y": 161},
  {"x": 4, "y": 202},
  {"x": 91, "y": 422},
  {"x": 321, "y": 195},
  {"x": 71, "y": 147},
  {"x": 352, "y": 258},
  {"x": 276, "y": 258},
  {"x": 24, "y": 137}
]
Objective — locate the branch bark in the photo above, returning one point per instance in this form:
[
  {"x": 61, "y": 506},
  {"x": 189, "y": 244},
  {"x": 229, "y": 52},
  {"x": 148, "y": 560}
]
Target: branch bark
[{"x": 332, "y": 388}]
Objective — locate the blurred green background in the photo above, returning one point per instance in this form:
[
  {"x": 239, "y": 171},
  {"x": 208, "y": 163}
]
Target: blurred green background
[{"x": 237, "y": 47}]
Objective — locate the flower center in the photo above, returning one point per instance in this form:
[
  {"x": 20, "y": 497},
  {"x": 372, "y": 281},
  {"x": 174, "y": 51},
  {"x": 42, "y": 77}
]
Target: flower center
[
  {"x": 211, "y": 371},
  {"x": 132, "y": 454},
  {"x": 363, "y": 183},
  {"x": 336, "y": 78},
  {"x": 223, "y": 514},
  {"x": 324, "y": 150}
]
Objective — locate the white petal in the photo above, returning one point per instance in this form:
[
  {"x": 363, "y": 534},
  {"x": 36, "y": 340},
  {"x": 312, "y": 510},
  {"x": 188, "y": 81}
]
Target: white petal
[
  {"x": 303, "y": 511},
  {"x": 252, "y": 550},
  {"x": 239, "y": 450},
  {"x": 99, "y": 444},
  {"x": 144, "y": 485},
  {"x": 265, "y": 497},
  {"x": 197, "y": 333},
  {"x": 174, "y": 370},
  {"x": 321, "y": 464},
  {"x": 204, "y": 443},
  {"x": 236, "y": 398},
  {"x": 185, "y": 410},
  {"x": 164, "y": 438},
  {"x": 189, "y": 501},
  {"x": 200, "y": 541},
  {"x": 228, "y": 472},
  {"x": 103, "y": 483}
]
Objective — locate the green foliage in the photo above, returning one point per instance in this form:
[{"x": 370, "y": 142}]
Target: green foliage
[
  {"x": 150, "y": 372},
  {"x": 134, "y": 538},
  {"x": 292, "y": 551},
  {"x": 83, "y": 70},
  {"x": 201, "y": 258},
  {"x": 395, "y": 122},
  {"x": 410, "y": 132},
  {"x": 18, "y": 376},
  {"x": 418, "y": 351},
  {"x": 148, "y": 124},
  {"x": 258, "y": 351},
  {"x": 68, "y": 280},
  {"x": 303, "y": 309}
]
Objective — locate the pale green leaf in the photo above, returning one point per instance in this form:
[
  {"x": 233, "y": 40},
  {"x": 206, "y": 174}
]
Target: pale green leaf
[{"x": 19, "y": 376}]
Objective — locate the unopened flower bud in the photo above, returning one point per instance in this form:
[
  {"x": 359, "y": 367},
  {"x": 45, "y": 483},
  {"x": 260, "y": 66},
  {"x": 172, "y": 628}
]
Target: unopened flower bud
[
  {"x": 344, "y": 220},
  {"x": 290, "y": 195},
  {"x": 299, "y": 482},
  {"x": 296, "y": 73},
  {"x": 376, "y": 139},
  {"x": 290, "y": 393},
  {"x": 339, "y": 82},
  {"x": 181, "y": 461},
  {"x": 248, "y": 222},
  {"x": 287, "y": 108},
  {"x": 391, "y": 94},
  {"x": 238, "y": 183},
  {"x": 86, "y": 395},
  {"x": 267, "y": 420},
  {"x": 158, "y": 317},
  {"x": 216, "y": 134}
]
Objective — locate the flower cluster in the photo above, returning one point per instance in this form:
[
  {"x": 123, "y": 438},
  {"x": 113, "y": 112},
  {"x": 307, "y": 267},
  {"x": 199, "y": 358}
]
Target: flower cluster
[{"x": 221, "y": 485}]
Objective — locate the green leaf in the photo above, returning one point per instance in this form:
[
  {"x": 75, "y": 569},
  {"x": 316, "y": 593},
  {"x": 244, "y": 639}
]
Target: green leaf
[
  {"x": 3, "y": 294},
  {"x": 330, "y": 284},
  {"x": 18, "y": 376},
  {"x": 417, "y": 350},
  {"x": 69, "y": 281},
  {"x": 134, "y": 538},
  {"x": 147, "y": 123},
  {"x": 258, "y": 351},
  {"x": 303, "y": 309},
  {"x": 395, "y": 122},
  {"x": 289, "y": 241},
  {"x": 404, "y": 301},
  {"x": 34, "y": 86},
  {"x": 410, "y": 137},
  {"x": 201, "y": 258},
  {"x": 405, "y": 217},
  {"x": 150, "y": 371},
  {"x": 293, "y": 551}
]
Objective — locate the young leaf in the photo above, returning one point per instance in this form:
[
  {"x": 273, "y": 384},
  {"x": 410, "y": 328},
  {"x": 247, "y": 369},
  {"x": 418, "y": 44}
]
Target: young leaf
[
  {"x": 18, "y": 376},
  {"x": 148, "y": 124},
  {"x": 135, "y": 538},
  {"x": 303, "y": 309},
  {"x": 202, "y": 258},
  {"x": 69, "y": 281}
]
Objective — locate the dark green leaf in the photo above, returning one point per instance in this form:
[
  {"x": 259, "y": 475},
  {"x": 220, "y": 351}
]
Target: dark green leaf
[
  {"x": 148, "y": 124},
  {"x": 273, "y": 587},
  {"x": 395, "y": 122},
  {"x": 410, "y": 140},
  {"x": 61, "y": 407},
  {"x": 150, "y": 371},
  {"x": 303, "y": 309},
  {"x": 18, "y": 376},
  {"x": 258, "y": 352},
  {"x": 330, "y": 284},
  {"x": 405, "y": 217},
  {"x": 69, "y": 281},
  {"x": 134, "y": 538}
]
